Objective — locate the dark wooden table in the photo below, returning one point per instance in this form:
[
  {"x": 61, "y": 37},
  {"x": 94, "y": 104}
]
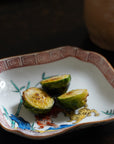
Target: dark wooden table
[{"x": 30, "y": 26}]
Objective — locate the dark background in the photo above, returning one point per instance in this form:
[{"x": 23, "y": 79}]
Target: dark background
[{"x": 35, "y": 25}]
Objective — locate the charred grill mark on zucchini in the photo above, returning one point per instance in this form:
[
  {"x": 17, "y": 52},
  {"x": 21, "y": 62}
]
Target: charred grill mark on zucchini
[{"x": 37, "y": 101}]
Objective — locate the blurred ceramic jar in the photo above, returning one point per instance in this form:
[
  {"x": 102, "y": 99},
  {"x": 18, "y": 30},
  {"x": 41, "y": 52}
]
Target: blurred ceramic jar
[{"x": 99, "y": 19}]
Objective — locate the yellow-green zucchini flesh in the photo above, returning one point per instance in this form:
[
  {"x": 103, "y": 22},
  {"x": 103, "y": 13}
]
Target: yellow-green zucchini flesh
[
  {"x": 56, "y": 85},
  {"x": 74, "y": 99},
  {"x": 37, "y": 100}
]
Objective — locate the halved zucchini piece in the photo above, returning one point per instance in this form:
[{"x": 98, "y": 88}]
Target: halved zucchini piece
[
  {"x": 56, "y": 85},
  {"x": 37, "y": 101},
  {"x": 74, "y": 99}
]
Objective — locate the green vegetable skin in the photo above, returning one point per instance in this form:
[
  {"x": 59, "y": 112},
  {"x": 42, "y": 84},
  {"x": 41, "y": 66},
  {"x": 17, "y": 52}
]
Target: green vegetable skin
[
  {"x": 37, "y": 101},
  {"x": 56, "y": 85},
  {"x": 73, "y": 99}
]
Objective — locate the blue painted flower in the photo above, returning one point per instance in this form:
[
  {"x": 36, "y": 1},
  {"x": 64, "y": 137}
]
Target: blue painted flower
[{"x": 21, "y": 122}]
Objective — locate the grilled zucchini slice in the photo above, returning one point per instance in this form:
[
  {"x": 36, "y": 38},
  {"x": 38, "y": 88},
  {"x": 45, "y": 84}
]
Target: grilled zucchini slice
[
  {"x": 56, "y": 85},
  {"x": 37, "y": 101},
  {"x": 73, "y": 99}
]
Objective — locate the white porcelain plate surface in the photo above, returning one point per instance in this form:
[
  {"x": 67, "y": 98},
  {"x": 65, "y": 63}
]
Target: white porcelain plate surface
[{"x": 88, "y": 70}]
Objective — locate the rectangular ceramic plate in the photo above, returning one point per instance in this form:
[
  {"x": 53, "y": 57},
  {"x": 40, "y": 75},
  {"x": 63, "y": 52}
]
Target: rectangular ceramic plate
[{"x": 88, "y": 70}]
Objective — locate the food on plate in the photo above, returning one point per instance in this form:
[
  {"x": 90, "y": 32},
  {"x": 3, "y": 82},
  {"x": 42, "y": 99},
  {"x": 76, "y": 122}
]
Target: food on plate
[
  {"x": 56, "y": 85},
  {"x": 37, "y": 100},
  {"x": 73, "y": 99},
  {"x": 41, "y": 101}
]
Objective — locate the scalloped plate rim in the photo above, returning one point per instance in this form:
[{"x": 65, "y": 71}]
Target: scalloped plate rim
[{"x": 82, "y": 57}]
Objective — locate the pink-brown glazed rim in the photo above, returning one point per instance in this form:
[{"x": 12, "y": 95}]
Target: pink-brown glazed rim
[{"x": 48, "y": 56}]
